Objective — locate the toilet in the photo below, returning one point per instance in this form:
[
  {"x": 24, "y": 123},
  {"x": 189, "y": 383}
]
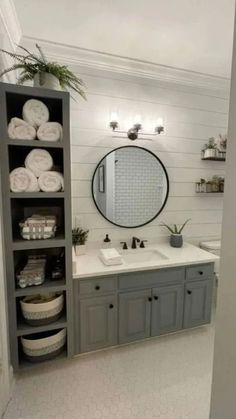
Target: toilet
[{"x": 213, "y": 246}]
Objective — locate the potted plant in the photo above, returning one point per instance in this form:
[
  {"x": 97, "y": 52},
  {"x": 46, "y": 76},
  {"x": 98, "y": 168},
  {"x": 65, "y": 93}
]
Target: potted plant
[
  {"x": 43, "y": 73},
  {"x": 79, "y": 238},
  {"x": 210, "y": 148},
  {"x": 176, "y": 238},
  {"x": 215, "y": 183}
]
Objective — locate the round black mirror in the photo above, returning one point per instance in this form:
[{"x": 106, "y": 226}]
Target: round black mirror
[{"x": 130, "y": 186}]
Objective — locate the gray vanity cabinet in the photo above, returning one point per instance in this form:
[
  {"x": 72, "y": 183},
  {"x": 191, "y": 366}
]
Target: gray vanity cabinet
[
  {"x": 150, "y": 312},
  {"x": 98, "y": 323},
  {"x": 134, "y": 315},
  {"x": 198, "y": 303},
  {"x": 167, "y": 309},
  {"x": 127, "y": 307}
]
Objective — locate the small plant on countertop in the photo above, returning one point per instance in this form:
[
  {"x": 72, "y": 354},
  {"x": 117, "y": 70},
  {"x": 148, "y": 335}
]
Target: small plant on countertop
[
  {"x": 176, "y": 238},
  {"x": 79, "y": 236},
  {"x": 175, "y": 229}
]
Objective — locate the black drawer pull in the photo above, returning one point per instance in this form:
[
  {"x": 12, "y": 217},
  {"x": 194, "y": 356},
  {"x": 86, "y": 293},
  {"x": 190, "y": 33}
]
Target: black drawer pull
[
  {"x": 149, "y": 298},
  {"x": 111, "y": 306},
  {"x": 97, "y": 287},
  {"x": 200, "y": 272},
  {"x": 155, "y": 297},
  {"x": 189, "y": 292}
]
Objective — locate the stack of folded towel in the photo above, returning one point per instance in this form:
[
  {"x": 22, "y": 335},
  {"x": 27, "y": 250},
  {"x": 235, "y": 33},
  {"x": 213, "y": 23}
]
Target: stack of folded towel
[
  {"x": 110, "y": 257},
  {"x": 37, "y": 174},
  {"x": 34, "y": 124}
]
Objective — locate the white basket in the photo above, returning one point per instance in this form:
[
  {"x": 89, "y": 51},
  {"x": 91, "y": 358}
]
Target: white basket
[
  {"x": 42, "y": 348},
  {"x": 42, "y": 313}
]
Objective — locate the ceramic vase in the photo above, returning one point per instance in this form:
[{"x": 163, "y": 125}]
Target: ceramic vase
[
  {"x": 176, "y": 240},
  {"x": 80, "y": 249},
  {"x": 209, "y": 152},
  {"x": 47, "y": 80}
]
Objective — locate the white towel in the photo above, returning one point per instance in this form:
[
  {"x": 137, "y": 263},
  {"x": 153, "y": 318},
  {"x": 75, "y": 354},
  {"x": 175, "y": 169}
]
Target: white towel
[
  {"x": 38, "y": 161},
  {"x": 50, "y": 131},
  {"x": 20, "y": 130},
  {"x": 51, "y": 182},
  {"x": 35, "y": 112},
  {"x": 23, "y": 180},
  {"x": 110, "y": 257}
]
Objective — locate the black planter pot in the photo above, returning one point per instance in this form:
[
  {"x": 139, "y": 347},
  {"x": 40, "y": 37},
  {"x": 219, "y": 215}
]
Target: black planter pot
[{"x": 176, "y": 240}]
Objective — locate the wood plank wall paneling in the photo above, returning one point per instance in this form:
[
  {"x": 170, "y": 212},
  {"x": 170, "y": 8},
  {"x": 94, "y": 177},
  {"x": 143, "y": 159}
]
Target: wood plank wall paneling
[{"x": 190, "y": 115}]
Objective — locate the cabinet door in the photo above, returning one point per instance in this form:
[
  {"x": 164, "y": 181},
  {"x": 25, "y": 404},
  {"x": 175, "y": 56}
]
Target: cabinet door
[
  {"x": 167, "y": 309},
  {"x": 134, "y": 315},
  {"x": 198, "y": 302},
  {"x": 98, "y": 323}
]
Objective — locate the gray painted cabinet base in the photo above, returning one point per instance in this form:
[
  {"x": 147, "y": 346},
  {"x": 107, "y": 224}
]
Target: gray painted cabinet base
[
  {"x": 141, "y": 305},
  {"x": 167, "y": 310},
  {"x": 134, "y": 315},
  {"x": 197, "y": 308},
  {"x": 98, "y": 323}
]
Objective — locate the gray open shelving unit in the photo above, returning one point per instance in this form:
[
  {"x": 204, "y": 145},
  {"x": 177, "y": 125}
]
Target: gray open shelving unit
[{"x": 14, "y": 205}]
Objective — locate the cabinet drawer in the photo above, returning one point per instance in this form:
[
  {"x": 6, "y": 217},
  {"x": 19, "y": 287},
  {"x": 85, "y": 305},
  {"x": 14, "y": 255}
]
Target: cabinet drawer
[
  {"x": 200, "y": 272},
  {"x": 149, "y": 279},
  {"x": 98, "y": 285}
]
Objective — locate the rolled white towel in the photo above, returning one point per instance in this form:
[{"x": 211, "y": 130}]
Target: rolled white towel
[
  {"x": 38, "y": 161},
  {"x": 23, "y": 180},
  {"x": 51, "y": 182},
  {"x": 20, "y": 130},
  {"x": 35, "y": 112},
  {"x": 50, "y": 131}
]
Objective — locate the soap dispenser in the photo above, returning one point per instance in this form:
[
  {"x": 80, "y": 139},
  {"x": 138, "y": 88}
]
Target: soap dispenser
[{"x": 107, "y": 242}]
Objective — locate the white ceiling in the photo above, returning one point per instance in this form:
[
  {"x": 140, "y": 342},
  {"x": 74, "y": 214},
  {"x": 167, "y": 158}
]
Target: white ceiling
[{"x": 191, "y": 34}]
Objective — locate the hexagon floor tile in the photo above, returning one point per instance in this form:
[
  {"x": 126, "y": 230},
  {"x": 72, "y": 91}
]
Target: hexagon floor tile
[{"x": 164, "y": 378}]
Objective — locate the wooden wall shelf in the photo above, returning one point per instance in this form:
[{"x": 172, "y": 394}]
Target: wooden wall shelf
[{"x": 214, "y": 158}]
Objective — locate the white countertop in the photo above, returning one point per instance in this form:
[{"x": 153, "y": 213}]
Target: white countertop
[{"x": 90, "y": 265}]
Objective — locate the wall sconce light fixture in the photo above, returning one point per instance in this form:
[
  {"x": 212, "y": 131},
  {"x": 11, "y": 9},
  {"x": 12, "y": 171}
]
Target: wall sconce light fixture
[{"x": 137, "y": 128}]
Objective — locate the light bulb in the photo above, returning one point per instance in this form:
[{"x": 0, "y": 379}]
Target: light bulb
[
  {"x": 114, "y": 117},
  {"x": 160, "y": 122},
  {"x": 138, "y": 119}
]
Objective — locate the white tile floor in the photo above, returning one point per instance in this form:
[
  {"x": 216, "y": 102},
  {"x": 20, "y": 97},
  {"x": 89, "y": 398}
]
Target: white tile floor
[{"x": 164, "y": 378}]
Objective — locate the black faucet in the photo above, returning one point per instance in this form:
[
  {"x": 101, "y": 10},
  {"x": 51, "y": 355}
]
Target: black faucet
[{"x": 134, "y": 244}]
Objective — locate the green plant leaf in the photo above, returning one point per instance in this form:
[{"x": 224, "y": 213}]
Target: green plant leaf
[
  {"x": 168, "y": 227},
  {"x": 31, "y": 64},
  {"x": 175, "y": 229},
  {"x": 181, "y": 229}
]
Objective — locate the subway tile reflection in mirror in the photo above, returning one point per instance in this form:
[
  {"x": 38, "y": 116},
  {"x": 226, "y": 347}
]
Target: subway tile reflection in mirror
[{"x": 130, "y": 186}]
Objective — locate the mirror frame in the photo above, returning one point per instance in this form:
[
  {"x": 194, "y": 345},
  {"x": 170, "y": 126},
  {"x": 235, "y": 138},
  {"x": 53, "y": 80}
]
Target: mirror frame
[{"x": 167, "y": 186}]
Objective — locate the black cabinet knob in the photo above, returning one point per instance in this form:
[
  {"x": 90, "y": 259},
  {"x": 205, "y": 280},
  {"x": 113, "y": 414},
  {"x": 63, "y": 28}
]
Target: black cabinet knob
[
  {"x": 149, "y": 298},
  {"x": 189, "y": 292},
  {"x": 200, "y": 272},
  {"x": 97, "y": 287},
  {"x": 111, "y": 306},
  {"x": 155, "y": 297}
]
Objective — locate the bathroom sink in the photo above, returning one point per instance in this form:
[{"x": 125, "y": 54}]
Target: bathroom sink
[{"x": 142, "y": 256}]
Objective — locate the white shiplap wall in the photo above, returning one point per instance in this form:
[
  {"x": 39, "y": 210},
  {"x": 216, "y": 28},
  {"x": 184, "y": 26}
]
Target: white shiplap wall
[
  {"x": 194, "y": 107},
  {"x": 191, "y": 115}
]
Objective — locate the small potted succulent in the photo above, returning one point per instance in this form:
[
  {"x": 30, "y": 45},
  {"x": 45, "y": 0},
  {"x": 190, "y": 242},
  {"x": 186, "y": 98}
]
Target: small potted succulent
[
  {"x": 79, "y": 238},
  {"x": 210, "y": 149},
  {"x": 43, "y": 73},
  {"x": 176, "y": 238}
]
